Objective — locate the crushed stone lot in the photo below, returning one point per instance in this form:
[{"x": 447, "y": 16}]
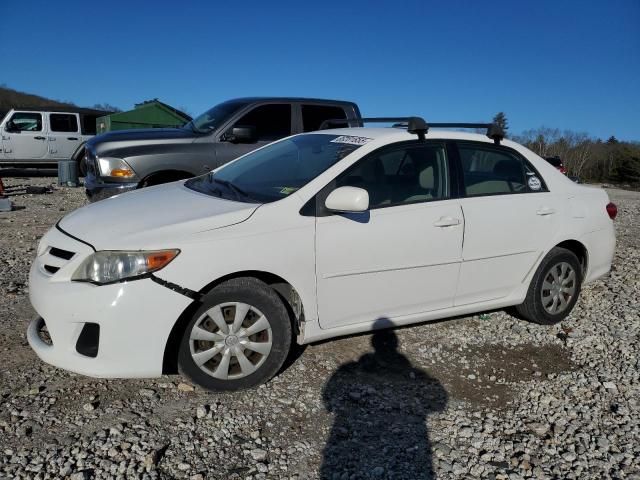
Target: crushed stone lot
[{"x": 488, "y": 396}]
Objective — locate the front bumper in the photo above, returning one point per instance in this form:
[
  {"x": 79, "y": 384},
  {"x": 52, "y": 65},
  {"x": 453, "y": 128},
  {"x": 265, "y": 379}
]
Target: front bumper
[
  {"x": 135, "y": 318},
  {"x": 96, "y": 189}
]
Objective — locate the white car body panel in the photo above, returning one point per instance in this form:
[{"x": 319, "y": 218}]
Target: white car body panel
[
  {"x": 116, "y": 308},
  {"x": 359, "y": 256},
  {"x": 503, "y": 240},
  {"x": 349, "y": 270},
  {"x": 143, "y": 224}
]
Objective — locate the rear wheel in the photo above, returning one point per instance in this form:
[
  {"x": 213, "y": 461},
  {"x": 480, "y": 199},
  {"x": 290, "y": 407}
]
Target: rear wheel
[
  {"x": 238, "y": 339},
  {"x": 554, "y": 289}
]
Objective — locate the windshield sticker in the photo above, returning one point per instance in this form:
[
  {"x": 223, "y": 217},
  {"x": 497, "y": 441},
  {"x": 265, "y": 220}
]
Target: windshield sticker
[
  {"x": 351, "y": 140},
  {"x": 534, "y": 183},
  {"x": 287, "y": 190}
]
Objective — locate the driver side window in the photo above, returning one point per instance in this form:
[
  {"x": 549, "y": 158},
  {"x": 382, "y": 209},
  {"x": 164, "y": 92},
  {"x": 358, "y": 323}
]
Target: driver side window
[
  {"x": 271, "y": 122},
  {"x": 405, "y": 175},
  {"x": 26, "y": 122}
]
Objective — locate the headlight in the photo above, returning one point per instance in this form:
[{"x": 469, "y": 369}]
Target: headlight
[
  {"x": 115, "y": 167},
  {"x": 112, "y": 266}
]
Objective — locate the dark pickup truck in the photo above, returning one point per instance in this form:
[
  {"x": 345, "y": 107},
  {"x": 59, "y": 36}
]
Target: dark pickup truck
[{"x": 124, "y": 160}]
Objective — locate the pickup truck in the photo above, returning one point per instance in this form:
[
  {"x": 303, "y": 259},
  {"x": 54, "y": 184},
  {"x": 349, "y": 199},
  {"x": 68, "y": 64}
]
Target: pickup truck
[
  {"x": 124, "y": 160},
  {"x": 38, "y": 138}
]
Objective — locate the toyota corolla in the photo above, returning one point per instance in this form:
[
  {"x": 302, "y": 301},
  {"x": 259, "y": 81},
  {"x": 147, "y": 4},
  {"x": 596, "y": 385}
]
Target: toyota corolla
[{"x": 314, "y": 236}]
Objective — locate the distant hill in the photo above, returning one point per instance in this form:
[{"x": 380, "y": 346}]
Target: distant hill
[{"x": 10, "y": 98}]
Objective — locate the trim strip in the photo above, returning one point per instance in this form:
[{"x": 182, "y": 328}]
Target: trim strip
[
  {"x": 409, "y": 267},
  {"x": 390, "y": 269},
  {"x": 176, "y": 288}
]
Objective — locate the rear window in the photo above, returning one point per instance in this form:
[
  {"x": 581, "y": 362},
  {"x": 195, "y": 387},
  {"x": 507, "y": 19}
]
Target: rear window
[
  {"x": 489, "y": 171},
  {"x": 314, "y": 115},
  {"x": 89, "y": 124},
  {"x": 63, "y": 122}
]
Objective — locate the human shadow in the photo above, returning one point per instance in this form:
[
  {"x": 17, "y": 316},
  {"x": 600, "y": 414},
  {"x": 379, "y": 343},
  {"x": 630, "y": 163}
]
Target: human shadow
[{"x": 381, "y": 403}]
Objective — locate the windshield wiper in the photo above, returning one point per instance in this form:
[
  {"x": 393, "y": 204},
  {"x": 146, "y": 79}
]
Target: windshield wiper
[{"x": 234, "y": 188}]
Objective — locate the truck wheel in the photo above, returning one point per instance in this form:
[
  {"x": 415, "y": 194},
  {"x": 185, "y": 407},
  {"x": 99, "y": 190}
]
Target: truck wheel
[
  {"x": 554, "y": 289},
  {"x": 159, "y": 178},
  {"x": 82, "y": 164},
  {"x": 239, "y": 338}
]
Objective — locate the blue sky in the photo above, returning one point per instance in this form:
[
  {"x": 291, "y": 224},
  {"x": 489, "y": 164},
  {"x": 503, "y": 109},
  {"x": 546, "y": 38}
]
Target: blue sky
[{"x": 565, "y": 64}]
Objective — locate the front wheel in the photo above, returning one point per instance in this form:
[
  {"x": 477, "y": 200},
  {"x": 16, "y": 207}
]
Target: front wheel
[
  {"x": 238, "y": 339},
  {"x": 554, "y": 289}
]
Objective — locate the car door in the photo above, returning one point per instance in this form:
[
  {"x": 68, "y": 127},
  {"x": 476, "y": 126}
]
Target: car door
[
  {"x": 24, "y": 136},
  {"x": 509, "y": 217},
  {"x": 400, "y": 257},
  {"x": 270, "y": 121},
  {"x": 64, "y": 135}
]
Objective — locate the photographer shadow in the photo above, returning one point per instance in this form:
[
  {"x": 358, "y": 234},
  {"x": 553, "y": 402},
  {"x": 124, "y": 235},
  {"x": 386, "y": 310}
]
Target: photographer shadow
[{"x": 381, "y": 403}]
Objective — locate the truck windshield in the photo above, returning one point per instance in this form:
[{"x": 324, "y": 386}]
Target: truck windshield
[
  {"x": 277, "y": 170},
  {"x": 214, "y": 117}
]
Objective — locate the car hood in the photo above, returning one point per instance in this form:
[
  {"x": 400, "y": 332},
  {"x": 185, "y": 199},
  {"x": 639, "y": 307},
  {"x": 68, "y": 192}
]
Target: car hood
[
  {"x": 152, "y": 218},
  {"x": 131, "y": 138}
]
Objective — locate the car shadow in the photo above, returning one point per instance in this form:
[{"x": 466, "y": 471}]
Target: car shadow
[{"x": 380, "y": 404}]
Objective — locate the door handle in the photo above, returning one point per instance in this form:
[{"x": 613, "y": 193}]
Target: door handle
[
  {"x": 72, "y": 138},
  {"x": 447, "y": 222},
  {"x": 546, "y": 211},
  {"x": 39, "y": 138}
]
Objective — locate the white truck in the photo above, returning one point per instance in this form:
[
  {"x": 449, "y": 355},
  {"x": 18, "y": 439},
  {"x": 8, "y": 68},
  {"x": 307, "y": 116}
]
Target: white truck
[{"x": 37, "y": 138}]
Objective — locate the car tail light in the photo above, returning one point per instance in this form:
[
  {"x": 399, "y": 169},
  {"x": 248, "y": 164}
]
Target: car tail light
[
  {"x": 612, "y": 210},
  {"x": 562, "y": 170}
]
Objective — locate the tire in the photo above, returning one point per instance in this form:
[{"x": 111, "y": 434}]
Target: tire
[
  {"x": 82, "y": 164},
  {"x": 258, "y": 328},
  {"x": 540, "y": 305},
  {"x": 160, "y": 178}
]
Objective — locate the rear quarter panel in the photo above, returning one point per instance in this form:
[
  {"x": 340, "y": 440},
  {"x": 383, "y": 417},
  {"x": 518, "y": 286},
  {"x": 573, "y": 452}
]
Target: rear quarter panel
[{"x": 583, "y": 216}]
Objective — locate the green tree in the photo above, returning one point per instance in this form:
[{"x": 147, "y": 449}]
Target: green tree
[{"x": 500, "y": 119}]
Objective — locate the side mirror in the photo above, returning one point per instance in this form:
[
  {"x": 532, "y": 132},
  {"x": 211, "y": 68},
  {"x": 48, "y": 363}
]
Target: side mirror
[
  {"x": 11, "y": 127},
  {"x": 348, "y": 199},
  {"x": 241, "y": 135}
]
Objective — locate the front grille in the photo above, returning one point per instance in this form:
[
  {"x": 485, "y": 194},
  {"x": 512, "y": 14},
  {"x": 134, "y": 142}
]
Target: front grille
[{"x": 54, "y": 259}]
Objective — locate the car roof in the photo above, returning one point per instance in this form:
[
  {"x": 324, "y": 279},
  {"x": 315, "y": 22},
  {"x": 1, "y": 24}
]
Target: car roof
[
  {"x": 289, "y": 99},
  {"x": 392, "y": 135}
]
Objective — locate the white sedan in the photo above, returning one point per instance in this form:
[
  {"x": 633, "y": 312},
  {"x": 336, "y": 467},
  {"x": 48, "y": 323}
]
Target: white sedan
[{"x": 315, "y": 236}]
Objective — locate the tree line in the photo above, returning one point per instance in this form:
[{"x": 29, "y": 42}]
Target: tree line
[{"x": 591, "y": 159}]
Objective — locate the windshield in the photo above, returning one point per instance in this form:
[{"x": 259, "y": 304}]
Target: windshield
[
  {"x": 214, "y": 117},
  {"x": 277, "y": 170}
]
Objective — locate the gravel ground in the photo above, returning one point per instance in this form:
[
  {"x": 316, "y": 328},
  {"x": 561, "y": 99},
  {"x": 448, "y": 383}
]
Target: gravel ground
[{"x": 478, "y": 397}]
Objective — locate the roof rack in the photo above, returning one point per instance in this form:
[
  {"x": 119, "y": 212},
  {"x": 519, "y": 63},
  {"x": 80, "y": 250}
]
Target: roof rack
[{"x": 417, "y": 125}]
